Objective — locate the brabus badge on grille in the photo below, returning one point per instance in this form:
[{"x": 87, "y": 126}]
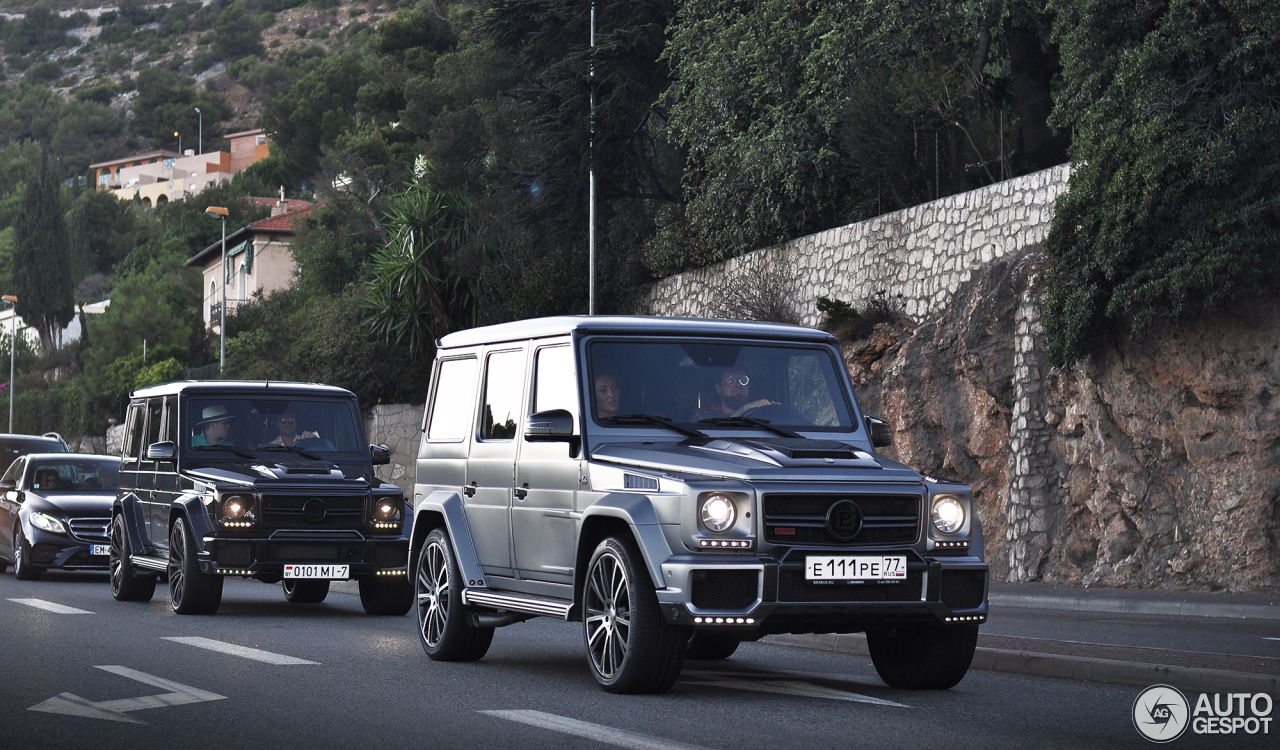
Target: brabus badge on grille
[
  {"x": 844, "y": 520},
  {"x": 314, "y": 510}
]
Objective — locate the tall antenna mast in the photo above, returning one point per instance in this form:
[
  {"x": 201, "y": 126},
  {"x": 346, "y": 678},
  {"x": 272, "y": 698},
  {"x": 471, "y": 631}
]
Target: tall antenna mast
[{"x": 591, "y": 211}]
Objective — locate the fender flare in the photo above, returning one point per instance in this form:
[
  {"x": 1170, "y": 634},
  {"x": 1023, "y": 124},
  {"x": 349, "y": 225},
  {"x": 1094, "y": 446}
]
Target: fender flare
[
  {"x": 192, "y": 508},
  {"x": 638, "y": 513},
  {"x": 976, "y": 547},
  {"x": 449, "y": 506},
  {"x": 135, "y": 524}
]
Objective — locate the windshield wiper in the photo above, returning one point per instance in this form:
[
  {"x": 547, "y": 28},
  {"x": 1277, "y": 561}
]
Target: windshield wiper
[
  {"x": 746, "y": 421},
  {"x": 297, "y": 450},
  {"x": 236, "y": 451},
  {"x": 650, "y": 419}
]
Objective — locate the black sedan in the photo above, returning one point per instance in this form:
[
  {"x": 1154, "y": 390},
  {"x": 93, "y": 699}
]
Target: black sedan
[{"x": 55, "y": 510}]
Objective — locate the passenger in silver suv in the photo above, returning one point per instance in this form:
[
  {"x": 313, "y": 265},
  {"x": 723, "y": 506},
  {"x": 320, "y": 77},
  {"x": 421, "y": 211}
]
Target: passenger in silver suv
[{"x": 678, "y": 487}]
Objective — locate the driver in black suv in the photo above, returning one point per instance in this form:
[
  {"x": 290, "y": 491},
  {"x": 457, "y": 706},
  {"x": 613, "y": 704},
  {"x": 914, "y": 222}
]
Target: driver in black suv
[
  {"x": 734, "y": 388},
  {"x": 287, "y": 427}
]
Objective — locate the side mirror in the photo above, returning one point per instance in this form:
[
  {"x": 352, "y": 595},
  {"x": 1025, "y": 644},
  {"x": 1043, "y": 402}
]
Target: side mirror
[
  {"x": 161, "y": 451},
  {"x": 380, "y": 455},
  {"x": 554, "y": 426},
  {"x": 881, "y": 433},
  {"x": 8, "y": 484}
]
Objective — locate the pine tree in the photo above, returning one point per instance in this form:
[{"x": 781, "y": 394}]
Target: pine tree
[{"x": 41, "y": 259}]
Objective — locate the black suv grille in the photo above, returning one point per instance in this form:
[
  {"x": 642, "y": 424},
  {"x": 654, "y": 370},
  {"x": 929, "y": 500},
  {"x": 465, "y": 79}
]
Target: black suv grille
[
  {"x": 792, "y": 587},
  {"x": 962, "y": 589},
  {"x": 91, "y": 529},
  {"x": 303, "y": 511},
  {"x": 801, "y": 519},
  {"x": 724, "y": 589}
]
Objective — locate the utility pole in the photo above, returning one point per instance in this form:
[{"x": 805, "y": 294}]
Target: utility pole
[
  {"x": 222, "y": 213},
  {"x": 13, "y": 347},
  {"x": 591, "y": 211},
  {"x": 200, "y": 143},
  {"x": 179, "y": 137}
]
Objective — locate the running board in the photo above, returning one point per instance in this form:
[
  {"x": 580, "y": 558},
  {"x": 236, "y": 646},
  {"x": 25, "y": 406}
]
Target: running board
[
  {"x": 517, "y": 603},
  {"x": 150, "y": 563}
]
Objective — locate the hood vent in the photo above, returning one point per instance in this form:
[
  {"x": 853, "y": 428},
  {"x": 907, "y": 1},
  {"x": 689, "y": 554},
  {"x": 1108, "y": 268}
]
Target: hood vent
[
  {"x": 810, "y": 449},
  {"x": 637, "y": 482},
  {"x": 306, "y": 470}
]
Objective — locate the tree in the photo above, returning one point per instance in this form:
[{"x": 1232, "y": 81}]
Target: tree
[
  {"x": 41, "y": 260},
  {"x": 1174, "y": 205},
  {"x": 102, "y": 229},
  {"x": 166, "y": 103}
]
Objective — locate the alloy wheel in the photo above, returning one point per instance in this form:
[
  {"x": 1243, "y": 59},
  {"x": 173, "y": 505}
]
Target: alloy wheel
[
  {"x": 608, "y": 610},
  {"x": 433, "y": 594},
  {"x": 117, "y": 556},
  {"x": 177, "y": 581}
]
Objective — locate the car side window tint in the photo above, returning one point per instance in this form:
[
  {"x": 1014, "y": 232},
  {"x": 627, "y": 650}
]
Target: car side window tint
[
  {"x": 503, "y": 392},
  {"x": 453, "y": 403},
  {"x": 555, "y": 386},
  {"x": 133, "y": 442}
]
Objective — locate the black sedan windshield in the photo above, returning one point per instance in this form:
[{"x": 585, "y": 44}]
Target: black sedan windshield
[{"x": 73, "y": 475}]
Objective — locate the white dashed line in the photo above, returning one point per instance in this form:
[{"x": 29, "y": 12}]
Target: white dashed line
[
  {"x": 1269, "y": 638},
  {"x": 61, "y": 609},
  {"x": 597, "y": 732},
  {"x": 242, "y": 651}
]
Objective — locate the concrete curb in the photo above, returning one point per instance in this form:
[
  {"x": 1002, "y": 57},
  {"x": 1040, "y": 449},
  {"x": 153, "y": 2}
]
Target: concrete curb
[
  {"x": 1136, "y": 606},
  {"x": 1067, "y": 667}
]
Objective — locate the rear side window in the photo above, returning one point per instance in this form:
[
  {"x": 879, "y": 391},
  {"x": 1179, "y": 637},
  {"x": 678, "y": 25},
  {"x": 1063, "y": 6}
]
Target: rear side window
[
  {"x": 454, "y": 400},
  {"x": 503, "y": 392}
]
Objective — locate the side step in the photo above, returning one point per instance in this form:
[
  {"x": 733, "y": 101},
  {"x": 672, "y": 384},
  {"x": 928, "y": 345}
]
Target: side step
[
  {"x": 517, "y": 603},
  {"x": 150, "y": 563}
]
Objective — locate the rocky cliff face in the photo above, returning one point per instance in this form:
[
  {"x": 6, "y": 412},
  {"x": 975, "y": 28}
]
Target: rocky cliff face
[{"x": 1156, "y": 463}]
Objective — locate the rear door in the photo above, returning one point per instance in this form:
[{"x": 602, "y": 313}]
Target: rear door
[
  {"x": 447, "y": 427},
  {"x": 492, "y": 465}
]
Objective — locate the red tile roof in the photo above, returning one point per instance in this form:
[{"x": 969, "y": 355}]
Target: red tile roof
[{"x": 283, "y": 222}]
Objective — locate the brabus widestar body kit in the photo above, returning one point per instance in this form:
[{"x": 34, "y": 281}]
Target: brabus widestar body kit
[
  {"x": 261, "y": 480},
  {"x": 680, "y": 486}
]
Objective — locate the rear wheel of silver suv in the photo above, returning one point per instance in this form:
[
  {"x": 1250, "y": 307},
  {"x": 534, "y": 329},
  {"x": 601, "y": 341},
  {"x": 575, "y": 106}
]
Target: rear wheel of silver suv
[
  {"x": 443, "y": 629},
  {"x": 923, "y": 657},
  {"x": 630, "y": 647}
]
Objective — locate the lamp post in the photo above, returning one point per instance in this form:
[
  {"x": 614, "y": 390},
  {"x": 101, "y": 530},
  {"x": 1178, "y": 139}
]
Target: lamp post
[
  {"x": 179, "y": 137},
  {"x": 222, "y": 213},
  {"x": 13, "y": 347},
  {"x": 591, "y": 210},
  {"x": 200, "y": 142}
]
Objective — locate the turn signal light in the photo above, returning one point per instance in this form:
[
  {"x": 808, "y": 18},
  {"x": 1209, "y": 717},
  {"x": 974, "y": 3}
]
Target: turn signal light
[
  {"x": 970, "y": 618},
  {"x": 724, "y": 543},
  {"x": 234, "y": 572},
  {"x": 724, "y": 621},
  {"x": 392, "y": 572}
]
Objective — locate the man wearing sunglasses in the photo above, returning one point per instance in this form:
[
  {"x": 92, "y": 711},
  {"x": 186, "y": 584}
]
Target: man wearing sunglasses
[
  {"x": 287, "y": 425},
  {"x": 733, "y": 386}
]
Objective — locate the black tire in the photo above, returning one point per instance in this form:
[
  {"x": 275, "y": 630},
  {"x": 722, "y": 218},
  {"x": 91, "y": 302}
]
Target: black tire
[
  {"x": 304, "y": 591},
  {"x": 926, "y": 657},
  {"x": 444, "y": 629},
  {"x": 126, "y": 584},
  {"x": 23, "y": 570},
  {"x": 191, "y": 591},
  {"x": 705, "y": 645},
  {"x": 386, "y": 595},
  {"x": 4, "y": 566},
  {"x": 630, "y": 647}
]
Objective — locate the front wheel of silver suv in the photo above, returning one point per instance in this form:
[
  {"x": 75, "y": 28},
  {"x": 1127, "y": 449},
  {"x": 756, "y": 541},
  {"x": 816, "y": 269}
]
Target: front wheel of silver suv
[
  {"x": 630, "y": 647},
  {"x": 443, "y": 629}
]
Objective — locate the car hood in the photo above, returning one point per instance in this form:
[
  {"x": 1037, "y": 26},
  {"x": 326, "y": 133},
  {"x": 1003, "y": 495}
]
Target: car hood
[
  {"x": 780, "y": 459},
  {"x": 263, "y": 474},
  {"x": 88, "y": 504}
]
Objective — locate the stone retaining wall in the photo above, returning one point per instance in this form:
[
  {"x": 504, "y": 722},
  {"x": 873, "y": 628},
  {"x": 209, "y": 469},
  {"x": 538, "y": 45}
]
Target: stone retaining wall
[{"x": 399, "y": 427}]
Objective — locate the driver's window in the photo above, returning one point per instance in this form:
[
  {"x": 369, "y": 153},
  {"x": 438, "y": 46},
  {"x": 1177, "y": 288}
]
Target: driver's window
[
  {"x": 15, "y": 471},
  {"x": 554, "y": 385}
]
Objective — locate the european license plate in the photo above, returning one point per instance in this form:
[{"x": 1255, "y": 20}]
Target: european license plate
[
  {"x": 878, "y": 568},
  {"x": 100, "y": 549},
  {"x": 317, "y": 571}
]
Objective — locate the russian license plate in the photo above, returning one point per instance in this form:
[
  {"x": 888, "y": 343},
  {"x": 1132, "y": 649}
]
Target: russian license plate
[
  {"x": 100, "y": 549},
  {"x": 840, "y": 568},
  {"x": 317, "y": 571}
]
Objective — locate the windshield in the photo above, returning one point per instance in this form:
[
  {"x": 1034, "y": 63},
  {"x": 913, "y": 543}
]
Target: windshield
[
  {"x": 227, "y": 425},
  {"x": 11, "y": 448},
  {"x": 713, "y": 384},
  {"x": 74, "y": 475}
]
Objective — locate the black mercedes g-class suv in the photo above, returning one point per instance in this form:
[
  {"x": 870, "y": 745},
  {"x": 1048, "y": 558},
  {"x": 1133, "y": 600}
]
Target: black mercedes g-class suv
[{"x": 264, "y": 480}]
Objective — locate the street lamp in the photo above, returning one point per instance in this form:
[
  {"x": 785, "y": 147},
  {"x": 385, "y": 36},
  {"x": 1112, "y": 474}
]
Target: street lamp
[
  {"x": 13, "y": 347},
  {"x": 222, "y": 213},
  {"x": 200, "y": 115},
  {"x": 179, "y": 137}
]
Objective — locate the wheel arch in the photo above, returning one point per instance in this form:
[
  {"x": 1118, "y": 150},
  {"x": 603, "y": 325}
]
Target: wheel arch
[
  {"x": 130, "y": 507},
  {"x": 619, "y": 514},
  {"x": 191, "y": 508},
  {"x": 443, "y": 509}
]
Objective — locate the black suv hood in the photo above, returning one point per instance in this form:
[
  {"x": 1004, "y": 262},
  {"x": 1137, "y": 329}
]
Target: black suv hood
[{"x": 267, "y": 473}]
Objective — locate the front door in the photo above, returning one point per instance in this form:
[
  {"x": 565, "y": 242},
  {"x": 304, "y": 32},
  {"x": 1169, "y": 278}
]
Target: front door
[
  {"x": 166, "y": 475},
  {"x": 542, "y": 525},
  {"x": 492, "y": 465}
]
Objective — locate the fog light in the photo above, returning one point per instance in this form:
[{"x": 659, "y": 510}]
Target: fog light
[
  {"x": 718, "y": 513},
  {"x": 948, "y": 514}
]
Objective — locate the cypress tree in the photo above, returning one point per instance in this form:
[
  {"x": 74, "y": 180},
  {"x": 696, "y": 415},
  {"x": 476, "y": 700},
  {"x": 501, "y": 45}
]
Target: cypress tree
[{"x": 41, "y": 258}]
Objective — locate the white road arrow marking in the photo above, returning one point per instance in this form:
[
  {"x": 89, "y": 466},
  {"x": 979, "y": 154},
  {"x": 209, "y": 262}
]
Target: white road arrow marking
[
  {"x": 61, "y": 609},
  {"x": 242, "y": 651},
  {"x": 735, "y": 681},
  {"x": 597, "y": 732},
  {"x": 74, "y": 705}
]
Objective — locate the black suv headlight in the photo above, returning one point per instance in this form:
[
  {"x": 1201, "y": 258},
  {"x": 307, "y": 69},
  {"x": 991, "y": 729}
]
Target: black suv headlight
[
  {"x": 948, "y": 514},
  {"x": 237, "y": 510},
  {"x": 387, "y": 510}
]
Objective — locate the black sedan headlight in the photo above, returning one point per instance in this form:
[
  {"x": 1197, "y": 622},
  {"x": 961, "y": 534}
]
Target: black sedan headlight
[{"x": 48, "y": 523}]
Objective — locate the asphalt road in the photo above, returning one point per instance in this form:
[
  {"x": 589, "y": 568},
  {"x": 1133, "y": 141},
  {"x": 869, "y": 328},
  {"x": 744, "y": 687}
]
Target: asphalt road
[{"x": 360, "y": 681}]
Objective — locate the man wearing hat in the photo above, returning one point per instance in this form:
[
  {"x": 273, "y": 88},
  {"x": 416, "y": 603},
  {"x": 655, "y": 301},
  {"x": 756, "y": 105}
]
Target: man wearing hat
[{"x": 214, "y": 425}]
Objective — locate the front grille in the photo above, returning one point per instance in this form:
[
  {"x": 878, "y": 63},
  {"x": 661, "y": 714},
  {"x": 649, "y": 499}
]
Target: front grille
[
  {"x": 801, "y": 519},
  {"x": 724, "y": 589},
  {"x": 91, "y": 529},
  {"x": 962, "y": 589},
  {"x": 792, "y": 587},
  {"x": 291, "y": 511},
  {"x": 392, "y": 556},
  {"x": 304, "y": 551}
]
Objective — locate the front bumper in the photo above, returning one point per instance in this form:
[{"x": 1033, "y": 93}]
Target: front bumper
[
  {"x": 760, "y": 595},
  {"x": 60, "y": 551},
  {"x": 266, "y": 556}
]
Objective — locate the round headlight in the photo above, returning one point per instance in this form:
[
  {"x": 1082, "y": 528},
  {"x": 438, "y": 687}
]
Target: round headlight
[
  {"x": 236, "y": 507},
  {"x": 387, "y": 510},
  {"x": 47, "y": 522},
  {"x": 718, "y": 513},
  {"x": 948, "y": 514}
]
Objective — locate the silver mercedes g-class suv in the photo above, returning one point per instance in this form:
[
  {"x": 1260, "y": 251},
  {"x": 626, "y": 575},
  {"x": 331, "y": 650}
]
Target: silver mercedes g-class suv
[{"x": 680, "y": 486}]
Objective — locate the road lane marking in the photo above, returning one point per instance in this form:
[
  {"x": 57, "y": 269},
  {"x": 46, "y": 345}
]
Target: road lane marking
[
  {"x": 242, "y": 651},
  {"x": 61, "y": 609},
  {"x": 597, "y": 732},
  {"x": 1268, "y": 638},
  {"x": 798, "y": 688},
  {"x": 117, "y": 710}
]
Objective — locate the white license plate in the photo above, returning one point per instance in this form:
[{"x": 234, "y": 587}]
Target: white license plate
[
  {"x": 317, "y": 571},
  {"x": 863, "y": 568},
  {"x": 100, "y": 549}
]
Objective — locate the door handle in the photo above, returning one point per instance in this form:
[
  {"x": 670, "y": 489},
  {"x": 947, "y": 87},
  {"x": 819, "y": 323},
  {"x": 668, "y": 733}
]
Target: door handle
[
  {"x": 469, "y": 490},
  {"x": 523, "y": 491}
]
